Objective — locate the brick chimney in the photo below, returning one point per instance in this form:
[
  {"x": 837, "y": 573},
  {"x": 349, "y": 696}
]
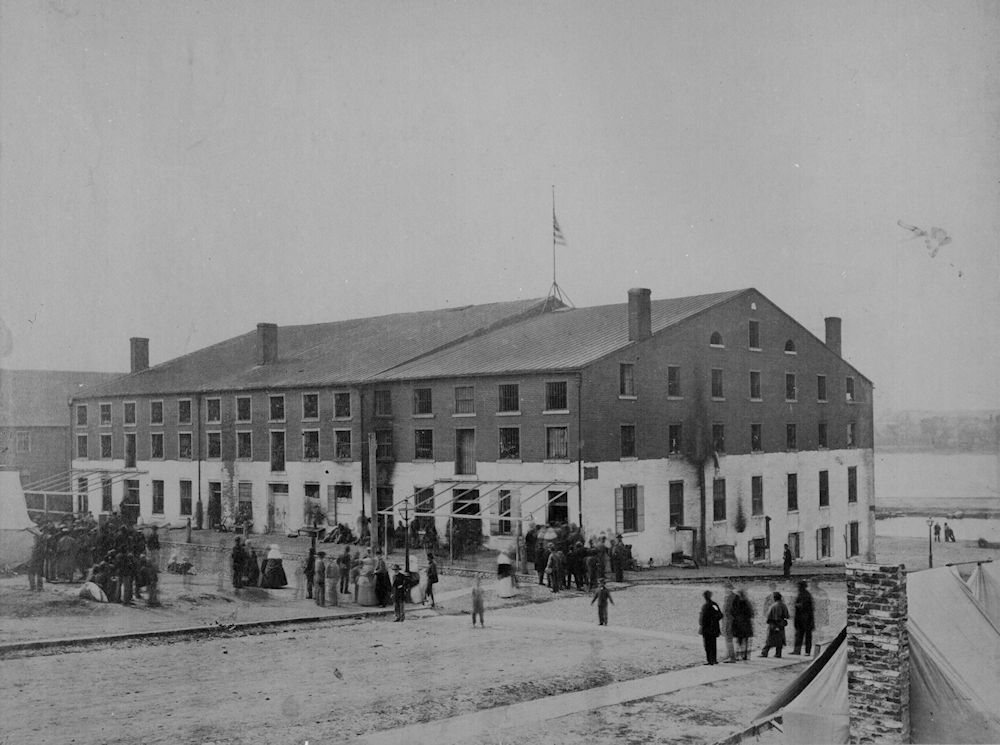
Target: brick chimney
[
  {"x": 640, "y": 323},
  {"x": 833, "y": 334},
  {"x": 878, "y": 654},
  {"x": 139, "y": 349},
  {"x": 267, "y": 343}
]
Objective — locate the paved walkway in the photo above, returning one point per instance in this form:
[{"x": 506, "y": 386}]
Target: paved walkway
[{"x": 527, "y": 713}]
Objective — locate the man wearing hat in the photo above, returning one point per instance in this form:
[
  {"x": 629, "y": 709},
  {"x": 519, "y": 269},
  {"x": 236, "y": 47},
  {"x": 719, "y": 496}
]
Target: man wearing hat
[
  {"x": 400, "y": 587},
  {"x": 805, "y": 619}
]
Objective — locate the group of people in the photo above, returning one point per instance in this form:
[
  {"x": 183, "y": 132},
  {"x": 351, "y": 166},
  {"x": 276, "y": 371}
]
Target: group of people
[
  {"x": 115, "y": 560},
  {"x": 734, "y": 621},
  {"x": 565, "y": 561},
  {"x": 248, "y": 570},
  {"x": 949, "y": 534}
]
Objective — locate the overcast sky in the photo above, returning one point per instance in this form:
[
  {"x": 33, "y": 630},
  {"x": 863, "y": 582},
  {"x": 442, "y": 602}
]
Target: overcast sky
[{"x": 184, "y": 170}]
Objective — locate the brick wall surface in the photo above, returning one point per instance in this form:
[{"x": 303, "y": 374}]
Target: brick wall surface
[{"x": 878, "y": 654}]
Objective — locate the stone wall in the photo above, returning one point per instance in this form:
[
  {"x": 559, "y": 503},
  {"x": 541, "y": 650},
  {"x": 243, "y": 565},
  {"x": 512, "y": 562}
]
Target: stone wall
[{"x": 878, "y": 654}]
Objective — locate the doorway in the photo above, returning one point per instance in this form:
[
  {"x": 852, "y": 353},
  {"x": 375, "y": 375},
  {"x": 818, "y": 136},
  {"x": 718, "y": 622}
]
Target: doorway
[{"x": 277, "y": 508}]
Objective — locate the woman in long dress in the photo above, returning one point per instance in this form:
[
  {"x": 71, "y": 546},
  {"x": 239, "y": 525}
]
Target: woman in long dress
[
  {"x": 252, "y": 565},
  {"x": 506, "y": 582},
  {"x": 273, "y": 576}
]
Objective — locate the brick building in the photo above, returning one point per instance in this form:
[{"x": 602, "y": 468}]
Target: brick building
[
  {"x": 714, "y": 423},
  {"x": 35, "y": 429}
]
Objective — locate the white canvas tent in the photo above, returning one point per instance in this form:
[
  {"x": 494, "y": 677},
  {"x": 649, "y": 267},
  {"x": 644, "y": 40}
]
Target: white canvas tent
[
  {"x": 954, "y": 675},
  {"x": 16, "y": 539}
]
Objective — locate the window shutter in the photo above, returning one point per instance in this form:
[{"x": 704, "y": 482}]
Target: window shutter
[
  {"x": 494, "y": 512},
  {"x": 619, "y": 511},
  {"x": 818, "y": 543},
  {"x": 640, "y": 521}
]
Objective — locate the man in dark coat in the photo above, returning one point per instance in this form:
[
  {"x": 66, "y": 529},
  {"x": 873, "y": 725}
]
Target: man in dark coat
[
  {"x": 777, "y": 619},
  {"x": 238, "y": 560},
  {"x": 309, "y": 568},
  {"x": 126, "y": 567},
  {"x": 805, "y": 620},
  {"x": 400, "y": 588},
  {"x": 36, "y": 564},
  {"x": 786, "y": 561},
  {"x": 541, "y": 561},
  {"x": 708, "y": 626}
]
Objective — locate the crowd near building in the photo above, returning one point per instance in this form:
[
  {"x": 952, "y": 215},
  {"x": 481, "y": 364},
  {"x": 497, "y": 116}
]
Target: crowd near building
[{"x": 714, "y": 426}]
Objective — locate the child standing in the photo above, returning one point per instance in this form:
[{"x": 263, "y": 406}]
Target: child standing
[
  {"x": 477, "y": 603},
  {"x": 602, "y": 597}
]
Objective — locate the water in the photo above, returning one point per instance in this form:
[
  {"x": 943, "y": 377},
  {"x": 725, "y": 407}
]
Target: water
[{"x": 966, "y": 529}]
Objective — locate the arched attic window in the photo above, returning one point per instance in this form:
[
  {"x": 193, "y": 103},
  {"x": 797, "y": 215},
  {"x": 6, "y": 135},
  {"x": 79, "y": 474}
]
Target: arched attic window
[
  {"x": 789, "y": 347},
  {"x": 716, "y": 339}
]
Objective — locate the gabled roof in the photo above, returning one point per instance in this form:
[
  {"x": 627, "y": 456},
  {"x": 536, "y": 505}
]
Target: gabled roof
[
  {"x": 322, "y": 354},
  {"x": 39, "y": 398},
  {"x": 562, "y": 340}
]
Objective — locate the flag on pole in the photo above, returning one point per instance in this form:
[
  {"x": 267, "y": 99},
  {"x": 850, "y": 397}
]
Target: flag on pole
[{"x": 557, "y": 235}]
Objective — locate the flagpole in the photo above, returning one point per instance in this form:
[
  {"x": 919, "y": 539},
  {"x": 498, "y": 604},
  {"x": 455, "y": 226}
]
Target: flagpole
[
  {"x": 556, "y": 295},
  {"x": 554, "y": 236}
]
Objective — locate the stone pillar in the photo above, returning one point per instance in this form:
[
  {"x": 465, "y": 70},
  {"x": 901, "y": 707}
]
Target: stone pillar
[{"x": 878, "y": 654}]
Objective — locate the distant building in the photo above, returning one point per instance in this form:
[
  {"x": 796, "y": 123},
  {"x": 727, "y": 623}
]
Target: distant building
[
  {"x": 35, "y": 427},
  {"x": 714, "y": 418}
]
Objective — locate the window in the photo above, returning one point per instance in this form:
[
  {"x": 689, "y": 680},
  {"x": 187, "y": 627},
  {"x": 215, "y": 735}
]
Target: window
[
  {"x": 791, "y": 437},
  {"x": 503, "y": 525},
  {"x": 156, "y": 446},
  {"x": 277, "y": 451},
  {"x": 795, "y": 545},
  {"x": 853, "y": 535},
  {"x": 821, "y": 388},
  {"x": 849, "y": 389},
  {"x": 244, "y": 445},
  {"x": 852, "y": 483},
  {"x": 756, "y": 495},
  {"x": 423, "y": 444},
  {"x": 185, "y": 497},
  {"x": 753, "y": 334},
  {"x": 510, "y": 443},
  {"x": 184, "y": 445},
  {"x": 244, "y": 494},
  {"x": 717, "y": 391},
  {"x": 342, "y": 492},
  {"x": 243, "y": 409},
  {"x": 630, "y": 509},
  {"x": 106, "y": 447},
  {"x": 106, "y": 501},
  {"x": 422, "y": 401},
  {"x": 758, "y": 549},
  {"x": 342, "y": 405},
  {"x": 851, "y": 432},
  {"x": 555, "y": 396},
  {"x": 213, "y": 410},
  {"x": 465, "y": 451},
  {"x": 81, "y": 415},
  {"x": 310, "y": 406},
  {"x": 756, "y": 438},
  {"x": 342, "y": 444},
  {"x": 383, "y": 444},
  {"x": 626, "y": 379},
  {"x": 821, "y": 438},
  {"x": 755, "y": 385},
  {"x": 719, "y": 438},
  {"x": 673, "y": 439},
  {"x": 627, "y": 441},
  {"x": 214, "y": 449},
  {"x": 676, "y": 503},
  {"x": 824, "y": 488},
  {"x": 157, "y": 497},
  {"x": 23, "y": 442},
  {"x": 556, "y": 443},
  {"x": 715, "y": 339},
  {"x": 156, "y": 412},
  {"x": 793, "y": 492},
  {"x": 129, "y": 412},
  {"x": 465, "y": 401},
  {"x": 383, "y": 403},
  {"x": 789, "y": 347},
  {"x": 791, "y": 393},
  {"x": 310, "y": 444},
  {"x": 105, "y": 415},
  {"x": 81, "y": 446},
  {"x": 184, "y": 411},
  {"x": 823, "y": 543},
  {"x": 673, "y": 381},
  {"x": 82, "y": 495},
  {"x": 276, "y": 408},
  {"x": 508, "y": 398},
  {"x": 130, "y": 450},
  {"x": 718, "y": 500}
]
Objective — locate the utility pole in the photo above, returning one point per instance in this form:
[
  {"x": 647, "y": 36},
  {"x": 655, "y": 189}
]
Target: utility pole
[{"x": 373, "y": 494}]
